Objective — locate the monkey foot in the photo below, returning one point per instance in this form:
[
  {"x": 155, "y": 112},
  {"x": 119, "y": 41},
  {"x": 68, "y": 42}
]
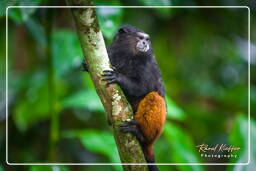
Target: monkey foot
[
  {"x": 128, "y": 126},
  {"x": 132, "y": 127}
]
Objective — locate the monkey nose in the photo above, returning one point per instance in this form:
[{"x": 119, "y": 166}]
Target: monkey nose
[{"x": 144, "y": 42}]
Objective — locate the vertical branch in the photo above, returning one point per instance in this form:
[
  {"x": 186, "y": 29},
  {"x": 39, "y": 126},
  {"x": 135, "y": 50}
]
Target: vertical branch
[
  {"x": 54, "y": 117},
  {"x": 112, "y": 97}
]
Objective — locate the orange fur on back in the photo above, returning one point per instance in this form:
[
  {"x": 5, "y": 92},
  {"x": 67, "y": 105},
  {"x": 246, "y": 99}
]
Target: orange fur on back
[{"x": 150, "y": 116}]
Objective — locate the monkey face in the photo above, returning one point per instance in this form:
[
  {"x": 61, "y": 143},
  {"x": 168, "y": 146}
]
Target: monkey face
[
  {"x": 143, "y": 42},
  {"x": 132, "y": 40}
]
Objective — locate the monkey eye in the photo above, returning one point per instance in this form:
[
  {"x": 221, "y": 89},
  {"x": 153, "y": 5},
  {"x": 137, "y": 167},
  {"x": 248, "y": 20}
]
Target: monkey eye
[
  {"x": 147, "y": 38},
  {"x": 141, "y": 37}
]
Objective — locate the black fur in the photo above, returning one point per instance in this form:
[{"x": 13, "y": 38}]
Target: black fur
[
  {"x": 136, "y": 72},
  {"x": 133, "y": 128}
]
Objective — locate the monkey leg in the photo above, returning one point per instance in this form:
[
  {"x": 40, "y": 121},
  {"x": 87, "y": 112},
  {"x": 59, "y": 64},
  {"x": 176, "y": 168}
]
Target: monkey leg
[
  {"x": 133, "y": 128},
  {"x": 150, "y": 116},
  {"x": 148, "y": 123}
]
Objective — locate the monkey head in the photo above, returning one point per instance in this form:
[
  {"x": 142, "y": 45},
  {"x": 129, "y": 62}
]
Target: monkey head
[
  {"x": 143, "y": 42},
  {"x": 133, "y": 39}
]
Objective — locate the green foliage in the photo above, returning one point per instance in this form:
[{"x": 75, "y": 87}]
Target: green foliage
[
  {"x": 109, "y": 18},
  {"x": 156, "y": 2},
  {"x": 96, "y": 141},
  {"x": 35, "y": 96},
  {"x": 87, "y": 99},
  {"x": 4, "y": 4},
  {"x": 182, "y": 147},
  {"x": 66, "y": 57},
  {"x": 173, "y": 111},
  {"x": 37, "y": 31},
  {"x": 66, "y": 50},
  {"x": 20, "y": 15},
  {"x": 239, "y": 138},
  {"x": 107, "y": 3},
  {"x": 163, "y": 12},
  {"x": 239, "y": 132},
  {"x": 48, "y": 168},
  {"x": 203, "y": 67}
]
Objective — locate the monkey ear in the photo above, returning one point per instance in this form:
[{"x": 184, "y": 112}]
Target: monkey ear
[{"x": 122, "y": 30}]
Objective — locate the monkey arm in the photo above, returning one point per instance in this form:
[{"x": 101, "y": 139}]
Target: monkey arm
[{"x": 129, "y": 86}]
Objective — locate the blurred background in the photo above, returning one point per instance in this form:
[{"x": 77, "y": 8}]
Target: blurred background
[{"x": 55, "y": 115}]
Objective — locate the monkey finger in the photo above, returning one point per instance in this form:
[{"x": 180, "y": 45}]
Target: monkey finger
[
  {"x": 109, "y": 78},
  {"x": 84, "y": 66},
  {"x": 130, "y": 122},
  {"x": 114, "y": 68},
  {"x": 126, "y": 124},
  {"x": 108, "y": 71},
  {"x": 110, "y": 82},
  {"x": 106, "y": 74},
  {"x": 125, "y": 129},
  {"x": 84, "y": 69}
]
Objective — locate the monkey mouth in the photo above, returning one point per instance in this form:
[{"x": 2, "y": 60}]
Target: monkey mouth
[{"x": 142, "y": 47}]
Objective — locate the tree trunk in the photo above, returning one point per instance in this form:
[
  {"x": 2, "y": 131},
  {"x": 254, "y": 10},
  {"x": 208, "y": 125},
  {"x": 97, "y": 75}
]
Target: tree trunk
[{"x": 112, "y": 97}]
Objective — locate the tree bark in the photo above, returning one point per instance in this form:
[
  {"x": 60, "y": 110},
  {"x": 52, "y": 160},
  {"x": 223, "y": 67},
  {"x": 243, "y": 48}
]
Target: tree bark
[{"x": 112, "y": 97}]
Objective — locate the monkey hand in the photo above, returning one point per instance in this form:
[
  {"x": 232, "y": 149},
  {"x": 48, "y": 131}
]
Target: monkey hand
[
  {"x": 84, "y": 66},
  {"x": 111, "y": 76}
]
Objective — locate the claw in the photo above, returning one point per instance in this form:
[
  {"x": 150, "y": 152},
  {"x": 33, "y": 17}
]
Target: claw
[
  {"x": 128, "y": 126},
  {"x": 110, "y": 82},
  {"x": 108, "y": 71},
  {"x": 107, "y": 74},
  {"x": 110, "y": 77},
  {"x": 125, "y": 128},
  {"x": 84, "y": 66}
]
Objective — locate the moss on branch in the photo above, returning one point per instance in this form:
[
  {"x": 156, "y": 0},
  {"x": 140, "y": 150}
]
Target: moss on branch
[{"x": 112, "y": 97}]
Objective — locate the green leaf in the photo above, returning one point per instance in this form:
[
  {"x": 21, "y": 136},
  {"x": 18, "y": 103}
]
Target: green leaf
[
  {"x": 87, "y": 99},
  {"x": 107, "y": 3},
  {"x": 239, "y": 137},
  {"x": 163, "y": 12},
  {"x": 156, "y": 2},
  {"x": 182, "y": 147},
  {"x": 239, "y": 132},
  {"x": 97, "y": 142},
  {"x": 15, "y": 14},
  {"x": 66, "y": 50},
  {"x": 23, "y": 14},
  {"x": 4, "y": 4},
  {"x": 109, "y": 19},
  {"x": 40, "y": 168},
  {"x": 37, "y": 31},
  {"x": 173, "y": 111},
  {"x": 33, "y": 105},
  {"x": 48, "y": 168}
]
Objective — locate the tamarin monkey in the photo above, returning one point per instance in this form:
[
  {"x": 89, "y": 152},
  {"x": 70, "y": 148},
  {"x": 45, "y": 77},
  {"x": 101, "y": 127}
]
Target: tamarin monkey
[{"x": 135, "y": 70}]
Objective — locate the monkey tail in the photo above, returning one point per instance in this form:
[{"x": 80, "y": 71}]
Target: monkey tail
[{"x": 149, "y": 156}]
